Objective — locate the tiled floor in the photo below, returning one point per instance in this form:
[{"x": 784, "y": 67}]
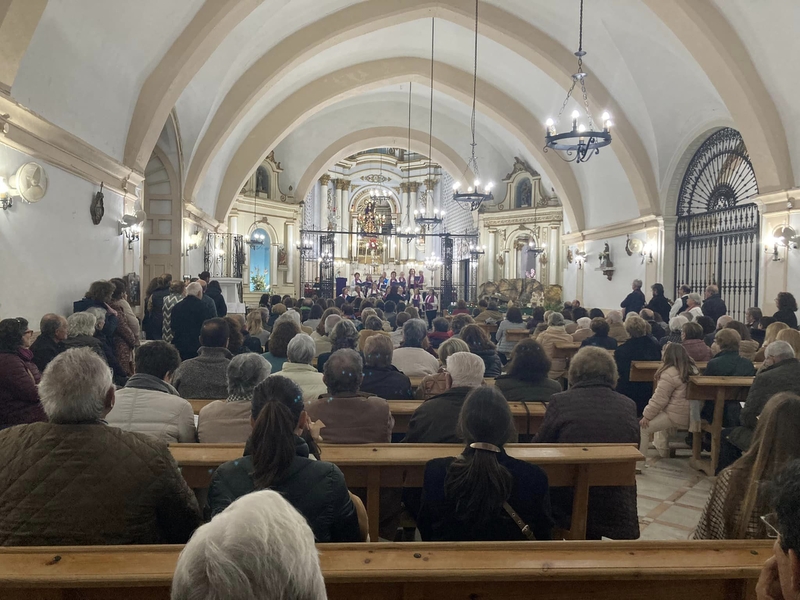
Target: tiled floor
[{"x": 671, "y": 496}]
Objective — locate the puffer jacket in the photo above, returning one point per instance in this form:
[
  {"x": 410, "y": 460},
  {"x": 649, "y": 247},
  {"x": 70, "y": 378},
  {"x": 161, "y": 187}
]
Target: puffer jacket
[
  {"x": 19, "y": 396},
  {"x": 149, "y": 405},
  {"x": 697, "y": 350},
  {"x": 307, "y": 377},
  {"x": 548, "y": 339},
  {"x": 669, "y": 397},
  {"x": 90, "y": 484},
  {"x": 492, "y": 365}
]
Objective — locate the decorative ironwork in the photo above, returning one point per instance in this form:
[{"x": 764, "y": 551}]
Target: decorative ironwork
[
  {"x": 719, "y": 176},
  {"x": 217, "y": 249},
  {"x": 316, "y": 263},
  {"x": 447, "y": 272}
]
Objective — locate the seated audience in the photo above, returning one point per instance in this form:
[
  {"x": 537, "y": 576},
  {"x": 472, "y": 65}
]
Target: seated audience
[
  {"x": 19, "y": 397},
  {"x": 471, "y": 497},
  {"x": 381, "y": 377},
  {"x": 675, "y": 332},
  {"x": 281, "y": 460},
  {"x": 600, "y": 338},
  {"x": 721, "y": 323},
  {"x": 148, "y": 403},
  {"x": 770, "y": 335},
  {"x": 187, "y": 320},
  {"x": 727, "y": 363},
  {"x": 343, "y": 336},
  {"x": 277, "y": 310},
  {"x": 435, "y": 421},
  {"x": 120, "y": 375},
  {"x": 321, "y": 334},
  {"x": 458, "y": 322},
  {"x": 440, "y": 382},
  {"x": 441, "y": 332},
  {"x": 479, "y": 344},
  {"x": 204, "y": 376},
  {"x": 236, "y": 335},
  {"x": 262, "y": 548},
  {"x": 639, "y": 346},
  {"x": 741, "y": 492},
  {"x": 747, "y": 347},
  {"x": 584, "y": 329},
  {"x": 592, "y": 412},
  {"x": 490, "y": 315},
  {"x": 781, "y": 373},
  {"x": 707, "y": 324},
  {"x": 80, "y": 333},
  {"x": 616, "y": 328},
  {"x": 656, "y": 330},
  {"x": 74, "y": 481},
  {"x": 397, "y": 334},
  {"x": 791, "y": 337},
  {"x": 298, "y": 368},
  {"x": 692, "y": 341},
  {"x": 753, "y": 321},
  {"x": 668, "y": 407},
  {"x": 314, "y": 316},
  {"x": 52, "y": 331},
  {"x": 555, "y": 334},
  {"x": 283, "y": 331},
  {"x": 787, "y": 307},
  {"x": 347, "y": 415},
  {"x": 372, "y": 326},
  {"x": 513, "y": 320},
  {"x": 256, "y": 326},
  {"x": 526, "y": 377},
  {"x": 390, "y": 314},
  {"x": 461, "y": 308},
  {"x": 228, "y": 421},
  {"x": 412, "y": 358}
]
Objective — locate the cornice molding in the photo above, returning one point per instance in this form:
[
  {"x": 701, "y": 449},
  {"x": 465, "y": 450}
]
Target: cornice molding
[
  {"x": 783, "y": 201},
  {"x": 30, "y": 133},
  {"x": 645, "y": 223},
  {"x": 201, "y": 217}
]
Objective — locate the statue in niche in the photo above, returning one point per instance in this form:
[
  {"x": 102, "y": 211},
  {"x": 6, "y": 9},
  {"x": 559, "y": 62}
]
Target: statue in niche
[
  {"x": 524, "y": 193},
  {"x": 282, "y": 257},
  {"x": 262, "y": 181}
]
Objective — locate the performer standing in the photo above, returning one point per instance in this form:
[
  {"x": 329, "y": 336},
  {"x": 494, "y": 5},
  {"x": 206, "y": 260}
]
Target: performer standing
[
  {"x": 416, "y": 299},
  {"x": 401, "y": 281},
  {"x": 431, "y": 306}
]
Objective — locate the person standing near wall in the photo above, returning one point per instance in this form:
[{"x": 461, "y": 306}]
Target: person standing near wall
[{"x": 634, "y": 302}]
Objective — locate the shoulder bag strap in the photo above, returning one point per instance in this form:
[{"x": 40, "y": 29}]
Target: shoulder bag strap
[{"x": 526, "y": 531}]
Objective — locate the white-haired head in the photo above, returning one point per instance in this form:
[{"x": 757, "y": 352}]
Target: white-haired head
[
  {"x": 779, "y": 350},
  {"x": 258, "y": 547},
  {"x": 614, "y": 317},
  {"x": 99, "y": 315},
  {"x": 584, "y": 323},
  {"x": 289, "y": 315},
  {"x": 723, "y": 320},
  {"x": 636, "y": 284},
  {"x": 694, "y": 298},
  {"x": 301, "y": 349},
  {"x": 245, "y": 372},
  {"x": 75, "y": 387},
  {"x": 330, "y": 323},
  {"x": 465, "y": 369},
  {"x": 195, "y": 289},
  {"x": 414, "y": 332},
  {"x": 81, "y": 323},
  {"x": 677, "y": 323}
]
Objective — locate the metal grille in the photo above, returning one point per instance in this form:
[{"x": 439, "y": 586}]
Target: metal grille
[
  {"x": 316, "y": 260},
  {"x": 447, "y": 295},
  {"x": 223, "y": 255}
]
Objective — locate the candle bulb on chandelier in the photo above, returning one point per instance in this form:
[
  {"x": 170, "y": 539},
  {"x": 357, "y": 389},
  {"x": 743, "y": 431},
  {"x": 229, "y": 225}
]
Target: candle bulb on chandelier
[{"x": 575, "y": 116}]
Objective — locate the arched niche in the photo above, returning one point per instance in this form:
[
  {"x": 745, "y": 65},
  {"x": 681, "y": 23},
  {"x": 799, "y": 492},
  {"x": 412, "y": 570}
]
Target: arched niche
[
  {"x": 519, "y": 256},
  {"x": 259, "y": 261}
]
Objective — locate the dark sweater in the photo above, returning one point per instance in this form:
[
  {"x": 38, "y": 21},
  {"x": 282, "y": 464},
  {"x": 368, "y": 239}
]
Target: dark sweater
[
  {"x": 434, "y": 422},
  {"x": 387, "y": 382},
  {"x": 517, "y": 390}
]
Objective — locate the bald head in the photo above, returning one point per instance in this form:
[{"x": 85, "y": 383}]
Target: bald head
[{"x": 53, "y": 326}]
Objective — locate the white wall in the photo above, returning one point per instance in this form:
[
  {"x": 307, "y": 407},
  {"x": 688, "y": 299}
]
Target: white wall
[{"x": 50, "y": 250}]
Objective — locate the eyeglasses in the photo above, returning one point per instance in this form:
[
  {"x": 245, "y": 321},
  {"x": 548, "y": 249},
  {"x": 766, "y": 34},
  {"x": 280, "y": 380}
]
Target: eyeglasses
[{"x": 771, "y": 521}]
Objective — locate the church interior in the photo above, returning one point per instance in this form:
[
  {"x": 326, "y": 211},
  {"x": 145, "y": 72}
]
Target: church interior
[{"x": 552, "y": 159}]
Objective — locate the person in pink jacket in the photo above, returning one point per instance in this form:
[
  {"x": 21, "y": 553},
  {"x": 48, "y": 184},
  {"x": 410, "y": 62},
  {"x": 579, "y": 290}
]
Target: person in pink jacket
[{"x": 668, "y": 407}]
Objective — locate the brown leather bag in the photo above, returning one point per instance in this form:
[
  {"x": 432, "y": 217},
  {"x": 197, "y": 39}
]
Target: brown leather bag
[{"x": 433, "y": 385}]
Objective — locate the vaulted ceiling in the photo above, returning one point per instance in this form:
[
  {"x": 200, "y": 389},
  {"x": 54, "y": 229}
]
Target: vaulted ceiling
[{"x": 315, "y": 81}]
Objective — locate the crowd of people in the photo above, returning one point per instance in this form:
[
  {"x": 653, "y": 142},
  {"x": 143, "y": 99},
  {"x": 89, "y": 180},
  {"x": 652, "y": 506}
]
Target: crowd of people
[{"x": 297, "y": 373}]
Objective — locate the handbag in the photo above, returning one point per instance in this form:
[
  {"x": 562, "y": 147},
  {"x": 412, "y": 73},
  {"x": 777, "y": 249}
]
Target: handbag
[{"x": 523, "y": 526}]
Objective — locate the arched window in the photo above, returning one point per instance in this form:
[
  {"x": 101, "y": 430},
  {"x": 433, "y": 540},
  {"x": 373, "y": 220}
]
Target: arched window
[
  {"x": 524, "y": 194},
  {"x": 262, "y": 181},
  {"x": 259, "y": 262}
]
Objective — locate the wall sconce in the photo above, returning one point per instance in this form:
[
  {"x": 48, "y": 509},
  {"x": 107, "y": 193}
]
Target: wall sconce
[
  {"x": 130, "y": 226},
  {"x": 647, "y": 252},
  {"x": 6, "y": 199},
  {"x": 782, "y": 236},
  {"x": 193, "y": 240},
  {"x": 580, "y": 258},
  {"x": 132, "y": 234}
]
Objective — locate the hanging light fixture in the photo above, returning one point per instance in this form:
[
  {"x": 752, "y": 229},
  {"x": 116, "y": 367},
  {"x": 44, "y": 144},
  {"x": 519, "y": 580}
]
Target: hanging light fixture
[
  {"x": 256, "y": 240},
  {"x": 477, "y": 193},
  {"x": 408, "y": 234},
  {"x": 583, "y": 141}
]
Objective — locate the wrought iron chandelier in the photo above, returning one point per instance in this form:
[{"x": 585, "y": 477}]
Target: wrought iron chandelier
[
  {"x": 476, "y": 251},
  {"x": 583, "y": 141},
  {"x": 478, "y": 193},
  {"x": 255, "y": 240},
  {"x": 421, "y": 219}
]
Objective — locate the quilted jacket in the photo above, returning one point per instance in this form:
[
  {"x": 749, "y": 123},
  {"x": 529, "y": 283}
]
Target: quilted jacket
[
  {"x": 88, "y": 484},
  {"x": 19, "y": 397},
  {"x": 669, "y": 397},
  {"x": 548, "y": 339}
]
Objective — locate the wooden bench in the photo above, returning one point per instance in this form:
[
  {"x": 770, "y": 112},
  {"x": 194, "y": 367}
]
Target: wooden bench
[
  {"x": 199, "y": 403},
  {"x": 376, "y": 466},
  {"x": 657, "y": 570},
  {"x": 527, "y": 416},
  {"x": 720, "y": 390},
  {"x": 645, "y": 370},
  {"x": 415, "y": 381},
  {"x": 517, "y": 335}
]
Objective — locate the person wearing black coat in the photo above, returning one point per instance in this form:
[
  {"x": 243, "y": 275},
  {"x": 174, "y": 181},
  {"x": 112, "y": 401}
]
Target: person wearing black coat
[
  {"x": 381, "y": 378},
  {"x": 187, "y": 321},
  {"x": 640, "y": 346},
  {"x": 153, "y": 322},
  {"x": 659, "y": 303},
  {"x": 99, "y": 295},
  {"x": 52, "y": 330},
  {"x": 714, "y": 306},
  {"x": 479, "y": 344},
  {"x": 600, "y": 339},
  {"x": 634, "y": 302},
  {"x": 214, "y": 291},
  {"x": 787, "y": 307}
]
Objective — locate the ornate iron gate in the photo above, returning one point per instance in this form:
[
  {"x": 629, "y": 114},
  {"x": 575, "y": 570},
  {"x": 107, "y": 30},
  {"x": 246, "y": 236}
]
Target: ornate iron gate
[
  {"x": 316, "y": 250},
  {"x": 717, "y": 234}
]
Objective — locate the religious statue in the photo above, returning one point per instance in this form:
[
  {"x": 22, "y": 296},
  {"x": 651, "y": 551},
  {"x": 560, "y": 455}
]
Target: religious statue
[
  {"x": 262, "y": 180},
  {"x": 282, "y": 257},
  {"x": 605, "y": 258}
]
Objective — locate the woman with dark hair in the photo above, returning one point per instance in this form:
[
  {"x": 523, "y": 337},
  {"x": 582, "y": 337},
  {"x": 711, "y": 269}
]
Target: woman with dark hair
[
  {"x": 479, "y": 343},
  {"x": 120, "y": 296},
  {"x": 484, "y": 494},
  {"x": 707, "y": 323},
  {"x": 600, "y": 338},
  {"x": 263, "y": 302},
  {"x": 278, "y": 457},
  {"x": 235, "y": 337},
  {"x": 537, "y": 318},
  {"x": 596, "y": 313},
  {"x": 278, "y": 344},
  {"x": 747, "y": 347},
  {"x": 343, "y": 335},
  {"x": 19, "y": 397},
  {"x": 787, "y": 307},
  {"x": 513, "y": 320},
  {"x": 214, "y": 291},
  {"x": 314, "y": 316},
  {"x": 526, "y": 377},
  {"x": 461, "y": 308},
  {"x": 659, "y": 303},
  {"x": 153, "y": 322},
  {"x": 100, "y": 295}
]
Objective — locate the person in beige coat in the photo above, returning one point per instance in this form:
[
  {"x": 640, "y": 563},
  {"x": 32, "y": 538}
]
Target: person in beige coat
[
  {"x": 616, "y": 328},
  {"x": 228, "y": 421},
  {"x": 668, "y": 407},
  {"x": 322, "y": 334},
  {"x": 298, "y": 368},
  {"x": 555, "y": 333},
  {"x": 583, "y": 331}
]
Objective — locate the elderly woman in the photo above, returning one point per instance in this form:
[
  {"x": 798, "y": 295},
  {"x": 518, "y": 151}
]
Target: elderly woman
[
  {"x": 747, "y": 347},
  {"x": 479, "y": 344},
  {"x": 120, "y": 375},
  {"x": 381, "y": 377},
  {"x": 616, "y": 328},
  {"x": 675, "y": 331},
  {"x": 282, "y": 334},
  {"x": 692, "y": 341},
  {"x": 639, "y": 346},
  {"x": 343, "y": 336},
  {"x": 600, "y": 338},
  {"x": 555, "y": 334},
  {"x": 80, "y": 333},
  {"x": 19, "y": 398},
  {"x": 299, "y": 369},
  {"x": 460, "y": 321},
  {"x": 592, "y": 412},
  {"x": 322, "y": 332},
  {"x": 727, "y": 363},
  {"x": 440, "y": 382},
  {"x": 100, "y": 294},
  {"x": 228, "y": 421},
  {"x": 526, "y": 378},
  {"x": 412, "y": 358},
  {"x": 372, "y": 326},
  {"x": 584, "y": 329},
  {"x": 513, "y": 320},
  {"x": 397, "y": 335}
]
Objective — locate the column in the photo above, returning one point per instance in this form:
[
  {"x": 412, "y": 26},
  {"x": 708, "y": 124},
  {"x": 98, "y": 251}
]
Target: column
[
  {"x": 322, "y": 201},
  {"x": 353, "y": 238},
  {"x": 291, "y": 252},
  {"x": 666, "y": 253},
  {"x": 491, "y": 251},
  {"x": 340, "y": 217},
  {"x": 413, "y": 187},
  {"x": 430, "y": 201},
  {"x": 406, "y": 219},
  {"x": 233, "y": 225},
  {"x": 554, "y": 251},
  {"x": 344, "y": 223}
]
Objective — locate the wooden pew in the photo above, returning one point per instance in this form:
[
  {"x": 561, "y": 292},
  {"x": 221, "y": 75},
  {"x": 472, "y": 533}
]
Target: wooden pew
[
  {"x": 376, "y": 466},
  {"x": 415, "y": 381},
  {"x": 566, "y": 350},
  {"x": 645, "y": 370},
  {"x": 720, "y": 390},
  {"x": 198, "y": 404},
  {"x": 517, "y": 335},
  {"x": 657, "y": 570}
]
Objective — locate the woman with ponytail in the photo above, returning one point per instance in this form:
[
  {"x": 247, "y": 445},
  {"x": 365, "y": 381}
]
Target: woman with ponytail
[
  {"x": 484, "y": 494},
  {"x": 279, "y": 457}
]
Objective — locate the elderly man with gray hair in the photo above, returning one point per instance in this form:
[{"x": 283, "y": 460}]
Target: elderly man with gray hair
[
  {"x": 298, "y": 368},
  {"x": 693, "y": 309},
  {"x": 263, "y": 548},
  {"x": 228, "y": 421},
  {"x": 347, "y": 415},
  {"x": 780, "y": 373},
  {"x": 85, "y": 482},
  {"x": 635, "y": 301},
  {"x": 616, "y": 327},
  {"x": 412, "y": 358},
  {"x": 187, "y": 319},
  {"x": 322, "y": 334},
  {"x": 436, "y": 420},
  {"x": 52, "y": 331}
]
